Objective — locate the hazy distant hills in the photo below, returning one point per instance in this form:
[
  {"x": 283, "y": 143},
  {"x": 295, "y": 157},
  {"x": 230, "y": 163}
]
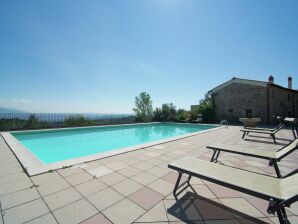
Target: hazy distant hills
[{"x": 10, "y": 110}]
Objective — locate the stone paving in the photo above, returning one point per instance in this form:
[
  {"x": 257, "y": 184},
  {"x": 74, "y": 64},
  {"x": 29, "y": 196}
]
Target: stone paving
[{"x": 136, "y": 187}]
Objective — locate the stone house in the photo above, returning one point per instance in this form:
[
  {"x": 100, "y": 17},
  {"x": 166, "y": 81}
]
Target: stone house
[{"x": 238, "y": 98}]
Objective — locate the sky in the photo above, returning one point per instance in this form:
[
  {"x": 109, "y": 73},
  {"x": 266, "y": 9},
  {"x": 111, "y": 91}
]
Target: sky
[{"x": 97, "y": 55}]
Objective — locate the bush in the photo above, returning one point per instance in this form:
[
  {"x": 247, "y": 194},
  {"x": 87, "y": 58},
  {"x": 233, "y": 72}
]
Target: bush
[{"x": 77, "y": 121}]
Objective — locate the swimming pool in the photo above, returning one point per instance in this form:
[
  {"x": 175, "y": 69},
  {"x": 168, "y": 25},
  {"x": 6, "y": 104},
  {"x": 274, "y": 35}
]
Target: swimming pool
[{"x": 55, "y": 146}]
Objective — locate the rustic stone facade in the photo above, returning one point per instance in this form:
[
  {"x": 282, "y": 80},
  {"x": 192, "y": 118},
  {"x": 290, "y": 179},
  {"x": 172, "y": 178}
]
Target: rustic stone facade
[{"x": 243, "y": 98}]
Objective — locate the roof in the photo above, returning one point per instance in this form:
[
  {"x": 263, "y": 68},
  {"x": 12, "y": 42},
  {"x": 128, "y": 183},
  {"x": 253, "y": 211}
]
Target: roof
[{"x": 248, "y": 82}]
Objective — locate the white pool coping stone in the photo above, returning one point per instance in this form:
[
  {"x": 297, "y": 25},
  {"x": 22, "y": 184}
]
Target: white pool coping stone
[{"x": 34, "y": 166}]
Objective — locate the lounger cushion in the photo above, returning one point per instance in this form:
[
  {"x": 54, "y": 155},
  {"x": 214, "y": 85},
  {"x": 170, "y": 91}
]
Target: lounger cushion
[{"x": 254, "y": 182}]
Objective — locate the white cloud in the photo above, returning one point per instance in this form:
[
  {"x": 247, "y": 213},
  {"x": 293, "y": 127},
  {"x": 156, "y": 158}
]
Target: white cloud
[{"x": 22, "y": 100}]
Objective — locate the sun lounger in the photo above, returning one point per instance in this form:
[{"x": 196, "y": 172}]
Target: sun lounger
[
  {"x": 293, "y": 124},
  {"x": 266, "y": 129},
  {"x": 246, "y": 131},
  {"x": 280, "y": 193},
  {"x": 272, "y": 157}
]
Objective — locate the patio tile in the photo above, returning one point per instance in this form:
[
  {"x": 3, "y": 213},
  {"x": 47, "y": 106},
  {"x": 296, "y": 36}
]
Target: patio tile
[
  {"x": 230, "y": 221},
  {"x": 75, "y": 212},
  {"x": 19, "y": 197},
  {"x": 260, "y": 204},
  {"x": 181, "y": 210},
  {"x": 255, "y": 221},
  {"x": 242, "y": 206},
  {"x": 131, "y": 161},
  {"x": 45, "y": 177},
  {"x": 158, "y": 172},
  {"x": 158, "y": 147},
  {"x": 97, "y": 219},
  {"x": 78, "y": 178},
  {"x": 69, "y": 171},
  {"x": 172, "y": 177},
  {"x": 195, "y": 180},
  {"x": 144, "y": 178},
  {"x": 142, "y": 156},
  {"x": 105, "y": 198},
  {"x": 155, "y": 214},
  {"x": 25, "y": 212},
  {"x": 90, "y": 187},
  {"x": 112, "y": 178},
  {"x": 129, "y": 171},
  {"x": 143, "y": 166},
  {"x": 212, "y": 209},
  {"x": 292, "y": 219},
  {"x": 62, "y": 198},
  {"x": 127, "y": 187},
  {"x": 202, "y": 190},
  {"x": 124, "y": 212},
  {"x": 117, "y": 165},
  {"x": 146, "y": 198},
  {"x": 152, "y": 154},
  {"x": 155, "y": 161},
  {"x": 294, "y": 208},
  {"x": 223, "y": 192},
  {"x": 161, "y": 186},
  {"x": 45, "y": 219},
  {"x": 11, "y": 178},
  {"x": 99, "y": 171},
  {"x": 14, "y": 186},
  {"x": 52, "y": 187}
]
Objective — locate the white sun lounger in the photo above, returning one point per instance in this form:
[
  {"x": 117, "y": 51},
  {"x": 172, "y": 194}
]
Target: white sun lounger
[
  {"x": 280, "y": 193},
  {"x": 246, "y": 131},
  {"x": 272, "y": 156}
]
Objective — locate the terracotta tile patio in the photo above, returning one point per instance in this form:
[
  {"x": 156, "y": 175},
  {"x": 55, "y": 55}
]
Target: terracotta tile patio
[{"x": 136, "y": 187}]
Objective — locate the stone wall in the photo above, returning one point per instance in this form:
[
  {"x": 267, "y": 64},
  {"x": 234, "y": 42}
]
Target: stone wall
[
  {"x": 282, "y": 102},
  {"x": 232, "y": 101}
]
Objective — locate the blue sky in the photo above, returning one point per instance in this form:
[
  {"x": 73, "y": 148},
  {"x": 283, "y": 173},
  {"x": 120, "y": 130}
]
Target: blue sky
[{"x": 96, "y": 56}]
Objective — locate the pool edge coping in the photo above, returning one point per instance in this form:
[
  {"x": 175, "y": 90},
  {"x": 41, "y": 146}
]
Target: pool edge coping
[{"x": 33, "y": 166}]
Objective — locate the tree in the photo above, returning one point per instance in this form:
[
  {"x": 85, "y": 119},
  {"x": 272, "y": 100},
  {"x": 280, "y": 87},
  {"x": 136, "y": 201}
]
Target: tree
[
  {"x": 143, "y": 107},
  {"x": 32, "y": 121},
  {"x": 167, "y": 112},
  {"x": 182, "y": 115},
  {"x": 207, "y": 109}
]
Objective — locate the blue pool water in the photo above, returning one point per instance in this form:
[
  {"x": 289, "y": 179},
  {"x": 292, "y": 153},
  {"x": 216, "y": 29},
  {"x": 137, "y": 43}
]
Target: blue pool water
[{"x": 58, "y": 145}]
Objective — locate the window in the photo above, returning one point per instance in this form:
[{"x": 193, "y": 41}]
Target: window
[
  {"x": 289, "y": 97},
  {"x": 248, "y": 113}
]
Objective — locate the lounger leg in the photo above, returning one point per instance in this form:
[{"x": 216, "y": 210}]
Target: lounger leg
[
  {"x": 213, "y": 156},
  {"x": 244, "y": 133},
  {"x": 189, "y": 177},
  {"x": 276, "y": 169},
  {"x": 216, "y": 157},
  {"x": 293, "y": 130},
  {"x": 282, "y": 216},
  {"x": 177, "y": 183},
  {"x": 273, "y": 136}
]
